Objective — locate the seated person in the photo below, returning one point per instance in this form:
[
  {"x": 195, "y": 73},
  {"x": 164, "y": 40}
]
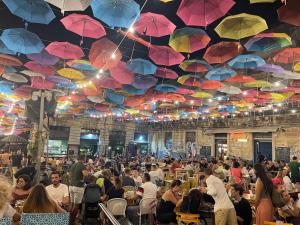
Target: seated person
[
  {"x": 22, "y": 189},
  {"x": 115, "y": 191},
  {"x": 127, "y": 179},
  {"x": 290, "y": 211},
  {"x": 193, "y": 202},
  {"x": 57, "y": 191}
]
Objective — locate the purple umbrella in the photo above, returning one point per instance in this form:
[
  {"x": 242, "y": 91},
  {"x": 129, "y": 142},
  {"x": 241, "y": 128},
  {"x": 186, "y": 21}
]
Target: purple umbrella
[
  {"x": 144, "y": 82},
  {"x": 59, "y": 80},
  {"x": 43, "y": 58},
  {"x": 271, "y": 68}
]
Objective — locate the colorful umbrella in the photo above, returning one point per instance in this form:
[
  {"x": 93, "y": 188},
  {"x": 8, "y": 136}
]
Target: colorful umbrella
[
  {"x": 95, "y": 99},
  {"x": 247, "y": 62},
  {"x": 164, "y": 55},
  {"x": 154, "y": 25},
  {"x": 166, "y": 73},
  {"x": 202, "y": 94},
  {"x": 144, "y": 82},
  {"x": 70, "y": 5},
  {"x": 287, "y": 75},
  {"x": 297, "y": 67},
  {"x": 40, "y": 83},
  {"x": 5, "y": 50},
  {"x": 220, "y": 74},
  {"x": 31, "y": 73},
  {"x": 132, "y": 90},
  {"x": 230, "y": 90},
  {"x": 222, "y": 52},
  {"x": 184, "y": 91},
  {"x": 7, "y": 60},
  {"x": 141, "y": 66},
  {"x": 122, "y": 74},
  {"x": 240, "y": 79},
  {"x": 43, "y": 58},
  {"x": 211, "y": 85},
  {"x": 287, "y": 55},
  {"x": 83, "y": 25},
  {"x": 241, "y": 26},
  {"x": 81, "y": 64},
  {"x": 113, "y": 97},
  {"x": 188, "y": 39},
  {"x": 39, "y": 68},
  {"x": 189, "y": 80},
  {"x": 33, "y": 11},
  {"x": 120, "y": 13},
  {"x": 59, "y": 80},
  {"x": 289, "y": 13},
  {"x": 165, "y": 88},
  {"x": 104, "y": 54},
  {"x": 195, "y": 66},
  {"x": 261, "y": 1},
  {"x": 71, "y": 74},
  {"x": 15, "y": 77},
  {"x": 21, "y": 40},
  {"x": 203, "y": 12},
  {"x": 64, "y": 50},
  {"x": 108, "y": 82},
  {"x": 271, "y": 68},
  {"x": 258, "y": 84}
]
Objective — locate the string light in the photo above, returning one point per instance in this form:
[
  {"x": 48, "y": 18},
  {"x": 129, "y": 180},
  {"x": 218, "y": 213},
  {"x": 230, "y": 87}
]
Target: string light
[
  {"x": 293, "y": 111},
  {"x": 131, "y": 29}
]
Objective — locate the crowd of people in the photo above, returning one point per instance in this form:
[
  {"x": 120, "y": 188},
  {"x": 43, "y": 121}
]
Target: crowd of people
[{"x": 234, "y": 190}]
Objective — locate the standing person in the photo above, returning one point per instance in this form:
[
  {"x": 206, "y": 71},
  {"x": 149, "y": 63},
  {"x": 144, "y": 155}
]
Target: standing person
[
  {"x": 57, "y": 191},
  {"x": 294, "y": 168},
  {"x": 78, "y": 172},
  {"x": 263, "y": 193},
  {"x": 224, "y": 209},
  {"x": 127, "y": 179},
  {"x": 236, "y": 172}
]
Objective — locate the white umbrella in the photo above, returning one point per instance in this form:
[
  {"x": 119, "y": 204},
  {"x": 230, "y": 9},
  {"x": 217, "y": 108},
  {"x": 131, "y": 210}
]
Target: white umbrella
[
  {"x": 31, "y": 73},
  {"x": 70, "y": 5},
  {"x": 15, "y": 77},
  {"x": 277, "y": 86},
  {"x": 95, "y": 99},
  {"x": 287, "y": 75},
  {"x": 231, "y": 90}
]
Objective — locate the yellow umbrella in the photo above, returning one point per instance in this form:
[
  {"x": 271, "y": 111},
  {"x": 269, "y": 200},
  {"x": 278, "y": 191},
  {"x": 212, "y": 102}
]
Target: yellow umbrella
[
  {"x": 201, "y": 94},
  {"x": 241, "y": 26},
  {"x": 281, "y": 97},
  {"x": 71, "y": 73},
  {"x": 262, "y": 1},
  {"x": 132, "y": 111},
  {"x": 166, "y": 1},
  {"x": 166, "y": 105},
  {"x": 297, "y": 67},
  {"x": 258, "y": 84}
]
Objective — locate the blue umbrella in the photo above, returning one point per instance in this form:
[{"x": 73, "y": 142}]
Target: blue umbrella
[
  {"x": 248, "y": 61},
  {"x": 21, "y": 40},
  {"x": 117, "y": 13},
  {"x": 132, "y": 90},
  {"x": 5, "y": 50},
  {"x": 144, "y": 82},
  {"x": 220, "y": 74},
  {"x": 165, "y": 88},
  {"x": 67, "y": 85},
  {"x": 33, "y": 11},
  {"x": 142, "y": 66},
  {"x": 114, "y": 98}
]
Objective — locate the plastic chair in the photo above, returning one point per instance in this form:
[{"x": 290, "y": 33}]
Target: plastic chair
[
  {"x": 45, "y": 218},
  {"x": 187, "y": 218},
  {"x": 147, "y": 206},
  {"x": 117, "y": 206},
  {"x": 6, "y": 221},
  {"x": 274, "y": 223}
]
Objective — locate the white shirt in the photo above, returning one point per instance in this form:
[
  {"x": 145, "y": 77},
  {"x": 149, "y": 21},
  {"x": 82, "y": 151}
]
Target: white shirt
[
  {"x": 287, "y": 183},
  {"x": 161, "y": 173},
  {"x": 155, "y": 176},
  {"x": 216, "y": 188},
  {"x": 57, "y": 194},
  {"x": 7, "y": 211},
  {"x": 150, "y": 190}
]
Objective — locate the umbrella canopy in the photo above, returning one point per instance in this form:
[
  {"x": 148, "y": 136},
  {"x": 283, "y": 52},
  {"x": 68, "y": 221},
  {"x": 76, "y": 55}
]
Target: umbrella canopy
[
  {"x": 15, "y": 77},
  {"x": 202, "y": 94},
  {"x": 120, "y": 13},
  {"x": 240, "y": 79},
  {"x": 81, "y": 64},
  {"x": 144, "y": 82},
  {"x": 108, "y": 82},
  {"x": 21, "y": 40},
  {"x": 122, "y": 74},
  {"x": 189, "y": 80},
  {"x": 164, "y": 55},
  {"x": 196, "y": 66},
  {"x": 231, "y": 90},
  {"x": 188, "y": 39},
  {"x": 132, "y": 90},
  {"x": 287, "y": 55},
  {"x": 113, "y": 97},
  {"x": 33, "y": 11},
  {"x": 247, "y": 62},
  {"x": 39, "y": 68},
  {"x": 13, "y": 139},
  {"x": 64, "y": 50},
  {"x": 154, "y": 25},
  {"x": 222, "y": 52},
  {"x": 261, "y": 1},
  {"x": 59, "y": 80},
  {"x": 165, "y": 73},
  {"x": 95, "y": 99},
  {"x": 165, "y": 88},
  {"x": 203, "y": 12},
  {"x": 258, "y": 84},
  {"x": 241, "y": 26},
  {"x": 220, "y": 74},
  {"x": 271, "y": 68},
  {"x": 71, "y": 73},
  {"x": 43, "y": 58},
  {"x": 5, "y": 50},
  {"x": 7, "y": 60},
  {"x": 289, "y": 13},
  {"x": 70, "y": 5},
  {"x": 211, "y": 85},
  {"x": 141, "y": 66},
  {"x": 40, "y": 83}
]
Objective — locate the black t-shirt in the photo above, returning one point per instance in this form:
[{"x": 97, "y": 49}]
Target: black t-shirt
[
  {"x": 16, "y": 160},
  {"x": 243, "y": 210},
  {"x": 115, "y": 193},
  {"x": 127, "y": 181}
]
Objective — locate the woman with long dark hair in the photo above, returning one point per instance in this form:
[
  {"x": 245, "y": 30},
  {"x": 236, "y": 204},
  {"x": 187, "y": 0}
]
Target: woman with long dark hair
[
  {"x": 263, "y": 198},
  {"x": 22, "y": 189}
]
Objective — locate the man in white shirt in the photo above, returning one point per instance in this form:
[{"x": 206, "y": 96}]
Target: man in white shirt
[
  {"x": 286, "y": 180},
  {"x": 224, "y": 209},
  {"x": 155, "y": 174},
  {"x": 57, "y": 191}
]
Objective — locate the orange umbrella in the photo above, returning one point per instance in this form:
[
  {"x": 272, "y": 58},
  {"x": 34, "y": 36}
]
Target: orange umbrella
[
  {"x": 240, "y": 79},
  {"x": 2, "y": 70},
  {"x": 134, "y": 101},
  {"x": 8, "y": 60},
  {"x": 287, "y": 55},
  {"x": 211, "y": 84}
]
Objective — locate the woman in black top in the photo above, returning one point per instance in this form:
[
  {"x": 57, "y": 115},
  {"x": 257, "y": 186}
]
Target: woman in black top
[{"x": 115, "y": 191}]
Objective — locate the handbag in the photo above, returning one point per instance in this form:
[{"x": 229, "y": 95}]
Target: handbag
[{"x": 277, "y": 200}]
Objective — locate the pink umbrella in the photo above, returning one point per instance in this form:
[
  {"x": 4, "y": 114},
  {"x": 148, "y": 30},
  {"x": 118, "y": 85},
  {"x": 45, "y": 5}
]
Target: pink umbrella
[
  {"x": 107, "y": 82},
  {"x": 83, "y": 25},
  {"x": 154, "y": 25},
  {"x": 40, "y": 83},
  {"x": 39, "y": 68},
  {"x": 184, "y": 91},
  {"x": 164, "y": 55},
  {"x": 64, "y": 50},
  {"x": 203, "y": 12},
  {"x": 121, "y": 74},
  {"x": 166, "y": 73}
]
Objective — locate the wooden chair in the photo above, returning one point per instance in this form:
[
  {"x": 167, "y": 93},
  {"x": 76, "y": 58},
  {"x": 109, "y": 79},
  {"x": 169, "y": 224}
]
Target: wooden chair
[
  {"x": 274, "y": 223},
  {"x": 187, "y": 218}
]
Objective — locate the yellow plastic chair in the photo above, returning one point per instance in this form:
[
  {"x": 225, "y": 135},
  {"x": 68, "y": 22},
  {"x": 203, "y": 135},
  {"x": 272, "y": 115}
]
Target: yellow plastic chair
[
  {"x": 186, "y": 186},
  {"x": 274, "y": 223},
  {"x": 187, "y": 218}
]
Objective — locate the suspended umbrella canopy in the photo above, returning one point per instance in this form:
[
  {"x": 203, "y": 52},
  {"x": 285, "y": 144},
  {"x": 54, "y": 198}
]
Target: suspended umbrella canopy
[
  {"x": 297, "y": 67},
  {"x": 202, "y": 94},
  {"x": 230, "y": 90},
  {"x": 2, "y": 70},
  {"x": 64, "y": 50},
  {"x": 165, "y": 73},
  {"x": 120, "y": 13},
  {"x": 33, "y": 11},
  {"x": 5, "y": 50},
  {"x": 132, "y": 90},
  {"x": 104, "y": 54},
  {"x": 43, "y": 58},
  {"x": 81, "y": 64},
  {"x": 39, "y": 68},
  {"x": 144, "y": 82},
  {"x": 154, "y": 25},
  {"x": 59, "y": 80},
  {"x": 287, "y": 75},
  {"x": 21, "y": 40},
  {"x": 40, "y": 83},
  {"x": 287, "y": 55},
  {"x": 95, "y": 99},
  {"x": 122, "y": 74},
  {"x": 184, "y": 91},
  {"x": 220, "y": 74},
  {"x": 289, "y": 13},
  {"x": 258, "y": 84},
  {"x": 222, "y": 52},
  {"x": 83, "y": 25},
  {"x": 211, "y": 85},
  {"x": 14, "y": 77},
  {"x": 14, "y": 139},
  {"x": 196, "y": 66},
  {"x": 240, "y": 79},
  {"x": 189, "y": 80},
  {"x": 271, "y": 68},
  {"x": 165, "y": 88},
  {"x": 188, "y": 40},
  {"x": 70, "y": 5},
  {"x": 31, "y": 73},
  {"x": 203, "y": 12},
  {"x": 241, "y": 26},
  {"x": 71, "y": 74},
  {"x": 261, "y": 1},
  {"x": 268, "y": 42},
  {"x": 113, "y": 97},
  {"x": 248, "y": 61},
  {"x": 164, "y": 55},
  {"x": 108, "y": 82},
  {"x": 134, "y": 101},
  {"x": 141, "y": 66}
]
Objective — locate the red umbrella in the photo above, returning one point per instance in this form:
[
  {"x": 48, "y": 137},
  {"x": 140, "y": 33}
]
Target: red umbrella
[
  {"x": 203, "y": 12},
  {"x": 222, "y": 52},
  {"x": 83, "y": 25},
  {"x": 39, "y": 68},
  {"x": 165, "y": 73},
  {"x": 295, "y": 83},
  {"x": 2, "y": 69},
  {"x": 289, "y": 13},
  {"x": 134, "y": 101},
  {"x": 8, "y": 60},
  {"x": 154, "y": 25},
  {"x": 122, "y": 74},
  {"x": 240, "y": 79},
  {"x": 92, "y": 91},
  {"x": 102, "y": 108},
  {"x": 164, "y": 55},
  {"x": 40, "y": 83},
  {"x": 211, "y": 84},
  {"x": 134, "y": 38},
  {"x": 64, "y": 50},
  {"x": 104, "y": 54},
  {"x": 184, "y": 91},
  {"x": 287, "y": 55},
  {"x": 175, "y": 97},
  {"x": 107, "y": 82}
]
